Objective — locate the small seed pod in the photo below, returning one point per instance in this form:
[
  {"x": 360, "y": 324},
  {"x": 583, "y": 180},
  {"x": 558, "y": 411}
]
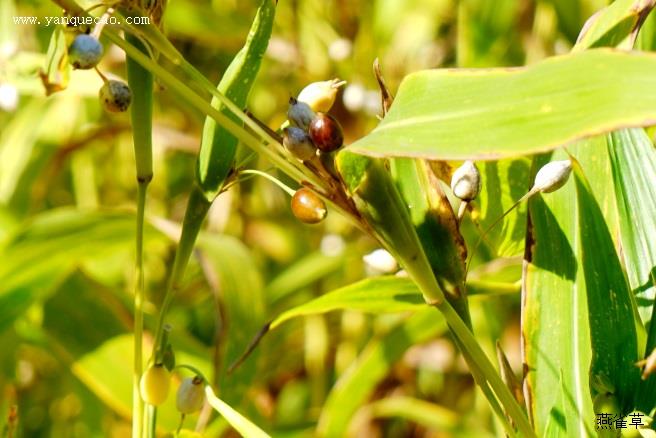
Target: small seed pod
[
  {"x": 300, "y": 114},
  {"x": 115, "y": 96},
  {"x": 381, "y": 261},
  {"x": 552, "y": 176},
  {"x": 466, "y": 181},
  {"x": 298, "y": 142},
  {"x": 191, "y": 395},
  {"x": 321, "y": 95},
  {"x": 308, "y": 207},
  {"x": 85, "y": 52},
  {"x": 154, "y": 385},
  {"x": 326, "y": 133}
]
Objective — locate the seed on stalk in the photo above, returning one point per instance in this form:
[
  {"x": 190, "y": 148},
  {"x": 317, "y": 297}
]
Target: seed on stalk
[
  {"x": 298, "y": 143},
  {"x": 320, "y": 96},
  {"x": 154, "y": 385},
  {"x": 299, "y": 114},
  {"x": 85, "y": 52},
  {"x": 115, "y": 96},
  {"x": 466, "y": 181},
  {"x": 552, "y": 176},
  {"x": 191, "y": 395},
  {"x": 326, "y": 133},
  {"x": 308, "y": 207}
]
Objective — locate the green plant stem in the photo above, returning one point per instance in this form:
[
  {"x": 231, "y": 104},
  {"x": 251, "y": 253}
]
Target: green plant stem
[
  {"x": 197, "y": 209},
  {"x": 478, "y": 357},
  {"x": 140, "y": 81},
  {"x": 277, "y": 182},
  {"x": 137, "y": 403}
]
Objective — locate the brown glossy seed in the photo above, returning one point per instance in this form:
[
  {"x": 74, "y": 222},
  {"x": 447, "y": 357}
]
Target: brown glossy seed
[
  {"x": 308, "y": 207},
  {"x": 326, "y": 133}
]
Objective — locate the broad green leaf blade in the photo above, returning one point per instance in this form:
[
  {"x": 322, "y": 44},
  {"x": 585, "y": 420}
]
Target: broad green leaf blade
[
  {"x": 554, "y": 318},
  {"x": 218, "y": 145},
  {"x": 48, "y": 248},
  {"x": 360, "y": 380},
  {"x": 241, "y": 424},
  {"x": 93, "y": 315},
  {"x": 515, "y": 111},
  {"x": 504, "y": 182},
  {"x": 304, "y": 272},
  {"x": 374, "y": 295},
  {"x": 240, "y": 291},
  {"x": 610, "y": 308},
  {"x": 427, "y": 414},
  {"x": 633, "y": 161},
  {"x": 613, "y": 23}
]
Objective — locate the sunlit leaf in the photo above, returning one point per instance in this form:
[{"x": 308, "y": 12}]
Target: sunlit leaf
[
  {"x": 515, "y": 111},
  {"x": 372, "y": 365},
  {"x": 381, "y": 294},
  {"x": 241, "y": 424}
]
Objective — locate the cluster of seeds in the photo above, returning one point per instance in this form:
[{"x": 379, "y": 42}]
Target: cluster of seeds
[
  {"x": 312, "y": 137},
  {"x": 84, "y": 53},
  {"x": 156, "y": 382}
]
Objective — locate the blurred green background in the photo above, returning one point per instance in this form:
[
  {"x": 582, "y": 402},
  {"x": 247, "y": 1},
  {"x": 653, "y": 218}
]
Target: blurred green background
[{"x": 67, "y": 201}]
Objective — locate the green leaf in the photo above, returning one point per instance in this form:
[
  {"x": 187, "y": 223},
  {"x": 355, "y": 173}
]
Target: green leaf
[
  {"x": 610, "y": 309},
  {"x": 218, "y": 145},
  {"x": 357, "y": 384},
  {"x": 374, "y": 295},
  {"x": 554, "y": 316},
  {"x": 48, "y": 249},
  {"x": 633, "y": 161},
  {"x": 241, "y": 293},
  {"x": 304, "y": 272},
  {"x": 515, "y": 111},
  {"x": 378, "y": 200},
  {"x": 429, "y": 415},
  {"x": 436, "y": 226},
  {"x": 82, "y": 315},
  {"x": 241, "y": 424},
  {"x": 613, "y": 23},
  {"x": 504, "y": 182}
]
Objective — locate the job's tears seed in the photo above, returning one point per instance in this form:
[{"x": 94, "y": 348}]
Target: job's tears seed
[
  {"x": 326, "y": 133},
  {"x": 85, "y": 52},
  {"x": 115, "y": 96},
  {"x": 154, "y": 385},
  {"x": 308, "y": 207}
]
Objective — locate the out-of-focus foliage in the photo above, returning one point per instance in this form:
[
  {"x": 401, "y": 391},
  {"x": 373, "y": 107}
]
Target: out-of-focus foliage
[{"x": 67, "y": 196}]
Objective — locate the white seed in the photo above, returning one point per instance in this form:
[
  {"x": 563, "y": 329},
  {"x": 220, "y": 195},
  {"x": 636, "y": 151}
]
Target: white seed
[
  {"x": 552, "y": 176},
  {"x": 466, "y": 181},
  {"x": 380, "y": 261},
  {"x": 320, "y": 96},
  {"x": 191, "y": 395}
]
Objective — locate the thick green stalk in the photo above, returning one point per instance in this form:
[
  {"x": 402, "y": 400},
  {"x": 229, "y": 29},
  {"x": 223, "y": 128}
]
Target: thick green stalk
[
  {"x": 197, "y": 208},
  {"x": 140, "y": 81},
  {"x": 377, "y": 199}
]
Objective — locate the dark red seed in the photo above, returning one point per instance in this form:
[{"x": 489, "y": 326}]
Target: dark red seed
[
  {"x": 326, "y": 133},
  {"x": 308, "y": 207}
]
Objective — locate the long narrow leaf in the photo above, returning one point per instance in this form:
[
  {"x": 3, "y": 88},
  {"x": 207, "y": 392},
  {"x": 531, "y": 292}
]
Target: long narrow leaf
[{"x": 515, "y": 111}]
